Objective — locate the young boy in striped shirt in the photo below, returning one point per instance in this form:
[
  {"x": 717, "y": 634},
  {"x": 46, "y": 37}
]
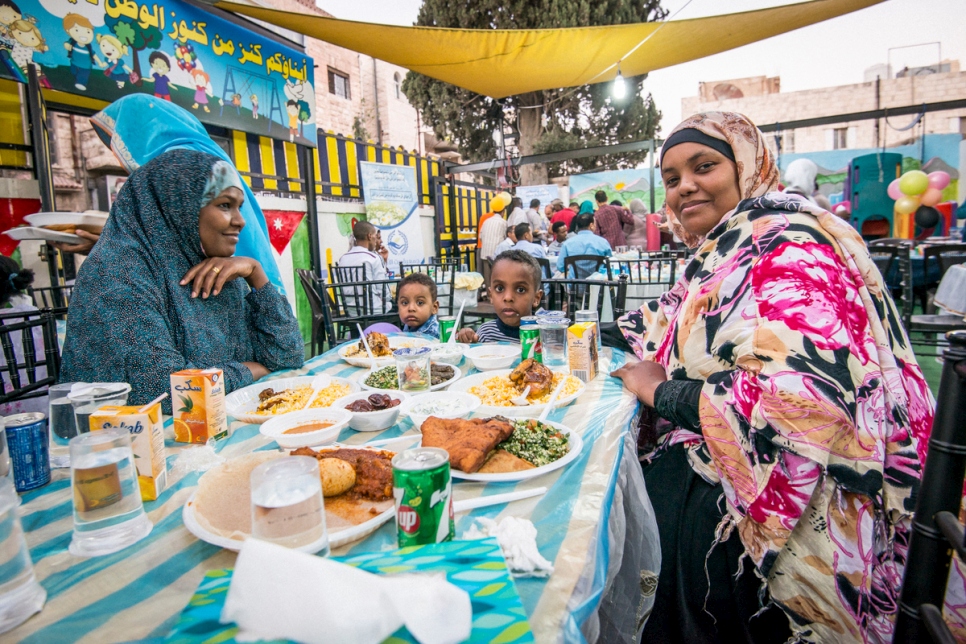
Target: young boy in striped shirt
[{"x": 515, "y": 291}]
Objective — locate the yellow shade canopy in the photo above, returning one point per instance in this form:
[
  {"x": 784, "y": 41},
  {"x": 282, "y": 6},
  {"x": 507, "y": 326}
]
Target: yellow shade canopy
[{"x": 504, "y": 62}]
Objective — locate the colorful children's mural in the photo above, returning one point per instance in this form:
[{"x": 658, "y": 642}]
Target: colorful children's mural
[
  {"x": 177, "y": 52},
  {"x": 622, "y": 185}
]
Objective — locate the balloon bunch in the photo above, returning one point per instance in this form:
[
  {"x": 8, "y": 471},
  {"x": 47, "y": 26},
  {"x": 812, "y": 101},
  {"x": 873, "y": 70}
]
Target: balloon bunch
[
  {"x": 915, "y": 188},
  {"x": 185, "y": 54},
  {"x": 500, "y": 202}
]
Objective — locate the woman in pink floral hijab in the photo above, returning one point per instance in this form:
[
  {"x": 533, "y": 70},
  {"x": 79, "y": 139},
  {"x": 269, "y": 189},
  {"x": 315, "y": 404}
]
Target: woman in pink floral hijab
[{"x": 794, "y": 416}]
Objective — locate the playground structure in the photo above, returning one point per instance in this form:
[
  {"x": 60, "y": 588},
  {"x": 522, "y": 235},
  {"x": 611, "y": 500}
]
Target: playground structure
[{"x": 231, "y": 90}]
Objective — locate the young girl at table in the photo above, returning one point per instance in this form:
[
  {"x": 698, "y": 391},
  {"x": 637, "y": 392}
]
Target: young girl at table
[
  {"x": 417, "y": 304},
  {"x": 515, "y": 291}
]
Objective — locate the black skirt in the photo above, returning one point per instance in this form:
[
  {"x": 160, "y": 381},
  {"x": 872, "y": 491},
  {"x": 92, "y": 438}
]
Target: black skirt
[{"x": 688, "y": 510}]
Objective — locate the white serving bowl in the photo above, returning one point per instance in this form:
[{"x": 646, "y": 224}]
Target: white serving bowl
[
  {"x": 468, "y": 404},
  {"x": 451, "y": 354},
  {"x": 493, "y": 356},
  {"x": 372, "y": 421},
  {"x": 276, "y": 427}
]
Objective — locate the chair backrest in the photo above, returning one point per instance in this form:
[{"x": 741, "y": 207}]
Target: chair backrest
[
  {"x": 47, "y": 297},
  {"x": 943, "y": 255},
  {"x": 583, "y": 265},
  {"x": 904, "y": 260},
  {"x": 443, "y": 273},
  {"x": 576, "y": 295},
  {"x": 935, "y": 526},
  {"x": 885, "y": 258},
  {"x": 659, "y": 268},
  {"x": 36, "y": 368},
  {"x": 545, "y": 267},
  {"x": 309, "y": 280},
  {"x": 353, "y": 302},
  {"x": 347, "y": 273}
]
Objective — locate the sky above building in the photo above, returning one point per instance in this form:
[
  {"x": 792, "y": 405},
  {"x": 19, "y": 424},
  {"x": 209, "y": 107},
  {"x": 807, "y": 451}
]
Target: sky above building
[{"x": 835, "y": 52}]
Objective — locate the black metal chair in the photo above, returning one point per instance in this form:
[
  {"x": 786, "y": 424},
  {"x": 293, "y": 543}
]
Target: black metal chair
[
  {"x": 545, "y": 267},
  {"x": 22, "y": 378},
  {"x": 942, "y": 256},
  {"x": 345, "y": 305},
  {"x": 443, "y": 273},
  {"x": 309, "y": 282},
  {"x": 570, "y": 296},
  {"x": 925, "y": 329},
  {"x": 936, "y": 530},
  {"x": 884, "y": 257},
  {"x": 653, "y": 269},
  {"x": 581, "y": 265},
  {"x": 50, "y": 297},
  {"x": 344, "y": 274}
]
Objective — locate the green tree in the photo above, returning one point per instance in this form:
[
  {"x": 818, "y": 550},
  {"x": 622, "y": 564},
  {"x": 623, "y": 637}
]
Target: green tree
[
  {"x": 136, "y": 37},
  {"x": 548, "y": 120}
]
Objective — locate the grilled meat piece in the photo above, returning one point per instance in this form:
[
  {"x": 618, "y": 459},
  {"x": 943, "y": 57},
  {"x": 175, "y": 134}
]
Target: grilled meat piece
[{"x": 530, "y": 372}]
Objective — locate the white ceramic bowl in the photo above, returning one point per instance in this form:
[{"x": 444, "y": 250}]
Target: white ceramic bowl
[
  {"x": 467, "y": 405},
  {"x": 493, "y": 356},
  {"x": 372, "y": 421},
  {"x": 277, "y": 426},
  {"x": 451, "y": 354}
]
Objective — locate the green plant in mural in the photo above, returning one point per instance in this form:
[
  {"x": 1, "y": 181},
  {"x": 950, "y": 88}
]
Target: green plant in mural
[{"x": 137, "y": 38}]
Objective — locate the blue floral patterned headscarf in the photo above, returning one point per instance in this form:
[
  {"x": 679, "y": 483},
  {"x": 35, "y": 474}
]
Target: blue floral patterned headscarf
[{"x": 139, "y": 128}]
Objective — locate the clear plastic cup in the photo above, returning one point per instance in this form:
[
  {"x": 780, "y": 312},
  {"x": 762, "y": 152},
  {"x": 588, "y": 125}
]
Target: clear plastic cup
[
  {"x": 553, "y": 340},
  {"x": 590, "y": 315},
  {"x": 108, "y": 514},
  {"x": 287, "y": 505},
  {"x": 61, "y": 423},
  {"x": 20, "y": 594},
  {"x": 413, "y": 368},
  {"x": 92, "y": 397}
]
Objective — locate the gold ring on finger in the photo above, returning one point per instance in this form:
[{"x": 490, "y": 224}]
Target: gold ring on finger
[{"x": 215, "y": 270}]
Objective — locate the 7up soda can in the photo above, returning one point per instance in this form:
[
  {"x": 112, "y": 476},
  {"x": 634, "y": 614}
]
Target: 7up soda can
[{"x": 422, "y": 489}]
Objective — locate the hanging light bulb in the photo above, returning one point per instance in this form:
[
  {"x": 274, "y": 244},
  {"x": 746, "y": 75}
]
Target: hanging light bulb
[{"x": 620, "y": 87}]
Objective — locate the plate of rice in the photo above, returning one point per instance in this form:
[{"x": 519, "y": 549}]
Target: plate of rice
[
  {"x": 495, "y": 390},
  {"x": 264, "y": 400}
]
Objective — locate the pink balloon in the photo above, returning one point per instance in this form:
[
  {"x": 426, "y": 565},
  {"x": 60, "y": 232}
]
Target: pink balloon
[
  {"x": 931, "y": 197},
  {"x": 894, "y": 192},
  {"x": 938, "y": 179}
]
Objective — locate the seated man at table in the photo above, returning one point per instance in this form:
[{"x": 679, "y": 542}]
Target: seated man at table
[
  {"x": 506, "y": 244},
  {"x": 363, "y": 254},
  {"x": 515, "y": 291},
  {"x": 417, "y": 304},
  {"x": 585, "y": 242},
  {"x": 525, "y": 241},
  {"x": 560, "y": 235}
]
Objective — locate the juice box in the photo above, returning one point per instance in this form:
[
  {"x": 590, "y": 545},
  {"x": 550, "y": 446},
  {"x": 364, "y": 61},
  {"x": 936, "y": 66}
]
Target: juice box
[
  {"x": 582, "y": 348},
  {"x": 147, "y": 442},
  {"x": 198, "y": 403}
]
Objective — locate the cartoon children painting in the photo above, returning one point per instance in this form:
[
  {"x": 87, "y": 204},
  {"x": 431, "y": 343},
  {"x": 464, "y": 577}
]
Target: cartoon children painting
[
  {"x": 79, "y": 50},
  {"x": 292, "y": 107},
  {"x": 160, "y": 66},
  {"x": 9, "y": 14},
  {"x": 201, "y": 80},
  {"x": 113, "y": 50},
  {"x": 27, "y": 40},
  {"x": 254, "y": 100}
]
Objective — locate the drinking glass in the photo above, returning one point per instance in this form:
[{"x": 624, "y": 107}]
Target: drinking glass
[
  {"x": 61, "y": 423},
  {"x": 590, "y": 315},
  {"x": 108, "y": 514},
  {"x": 20, "y": 594},
  {"x": 287, "y": 505},
  {"x": 553, "y": 340},
  {"x": 413, "y": 368},
  {"x": 90, "y": 399}
]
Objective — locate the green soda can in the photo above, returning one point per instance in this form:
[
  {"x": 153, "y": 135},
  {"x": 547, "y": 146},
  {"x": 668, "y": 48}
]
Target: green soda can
[
  {"x": 447, "y": 327},
  {"x": 422, "y": 489},
  {"x": 530, "y": 339}
]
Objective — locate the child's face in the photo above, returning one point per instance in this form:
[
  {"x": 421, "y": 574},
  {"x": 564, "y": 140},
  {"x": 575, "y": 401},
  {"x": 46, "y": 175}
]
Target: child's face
[
  {"x": 416, "y": 305},
  {"x": 293, "y": 109},
  {"x": 512, "y": 291},
  {"x": 110, "y": 51},
  {"x": 81, "y": 34},
  {"x": 160, "y": 67},
  {"x": 9, "y": 15},
  {"x": 26, "y": 38}
]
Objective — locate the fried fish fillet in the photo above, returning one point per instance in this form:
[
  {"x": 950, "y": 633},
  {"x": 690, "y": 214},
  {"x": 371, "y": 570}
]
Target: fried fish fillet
[
  {"x": 502, "y": 461},
  {"x": 468, "y": 442}
]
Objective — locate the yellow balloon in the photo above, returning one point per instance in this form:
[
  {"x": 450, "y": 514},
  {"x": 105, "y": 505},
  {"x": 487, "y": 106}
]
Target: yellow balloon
[
  {"x": 907, "y": 205},
  {"x": 914, "y": 182},
  {"x": 496, "y": 204}
]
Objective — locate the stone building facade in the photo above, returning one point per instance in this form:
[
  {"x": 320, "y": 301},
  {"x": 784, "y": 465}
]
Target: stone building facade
[{"x": 761, "y": 99}]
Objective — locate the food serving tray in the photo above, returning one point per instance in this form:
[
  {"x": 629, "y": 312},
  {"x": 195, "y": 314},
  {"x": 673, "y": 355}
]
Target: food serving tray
[{"x": 526, "y": 411}]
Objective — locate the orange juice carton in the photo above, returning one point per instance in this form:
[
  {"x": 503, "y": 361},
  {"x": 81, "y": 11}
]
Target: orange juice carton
[
  {"x": 146, "y": 427},
  {"x": 582, "y": 348},
  {"x": 198, "y": 403}
]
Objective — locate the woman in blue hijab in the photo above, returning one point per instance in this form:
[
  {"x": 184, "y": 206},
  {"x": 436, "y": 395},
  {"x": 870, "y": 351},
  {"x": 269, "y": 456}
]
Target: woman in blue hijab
[
  {"x": 139, "y": 128},
  {"x": 163, "y": 291}
]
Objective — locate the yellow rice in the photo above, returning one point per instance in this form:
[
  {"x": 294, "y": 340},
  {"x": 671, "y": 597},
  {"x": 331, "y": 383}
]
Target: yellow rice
[
  {"x": 295, "y": 398},
  {"x": 498, "y": 391}
]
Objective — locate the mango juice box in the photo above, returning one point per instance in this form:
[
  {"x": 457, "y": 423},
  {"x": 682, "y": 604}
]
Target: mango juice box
[
  {"x": 582, "y": 347},
  {"x": 198, "y": 405},
  {"x": 146, "y": 427}
]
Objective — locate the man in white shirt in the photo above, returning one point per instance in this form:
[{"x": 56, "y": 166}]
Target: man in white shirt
[
  {"x": 507, "y": 243},
  {"x": 517, "y": 215},
  {"x": 525, "y": 241},
  {"x": 492, "y": 234},
  {"x": 363, "y": 254}
]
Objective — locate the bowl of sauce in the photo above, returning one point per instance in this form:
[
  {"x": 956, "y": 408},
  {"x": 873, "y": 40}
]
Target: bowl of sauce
[{"x": 307, "y": 428}]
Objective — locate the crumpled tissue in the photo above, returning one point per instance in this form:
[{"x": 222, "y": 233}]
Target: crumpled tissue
[{"x": 518, "y": 541}]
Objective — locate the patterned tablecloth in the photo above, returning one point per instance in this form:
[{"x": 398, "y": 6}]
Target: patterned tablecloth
[{"x": 595, "y": 524}]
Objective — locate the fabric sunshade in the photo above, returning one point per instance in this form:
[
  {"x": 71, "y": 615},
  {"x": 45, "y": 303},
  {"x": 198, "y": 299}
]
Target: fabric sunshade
[{"x": 505, "y": 62}]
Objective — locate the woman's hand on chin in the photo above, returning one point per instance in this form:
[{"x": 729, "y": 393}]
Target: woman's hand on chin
[
  {"x": 642, "y": 379},
  {"x": 211, "y": 275}
]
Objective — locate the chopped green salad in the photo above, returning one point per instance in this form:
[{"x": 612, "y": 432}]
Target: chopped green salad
[
  {"x": 385, "y": 378},
  {"x": 536, "y": 442}
]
